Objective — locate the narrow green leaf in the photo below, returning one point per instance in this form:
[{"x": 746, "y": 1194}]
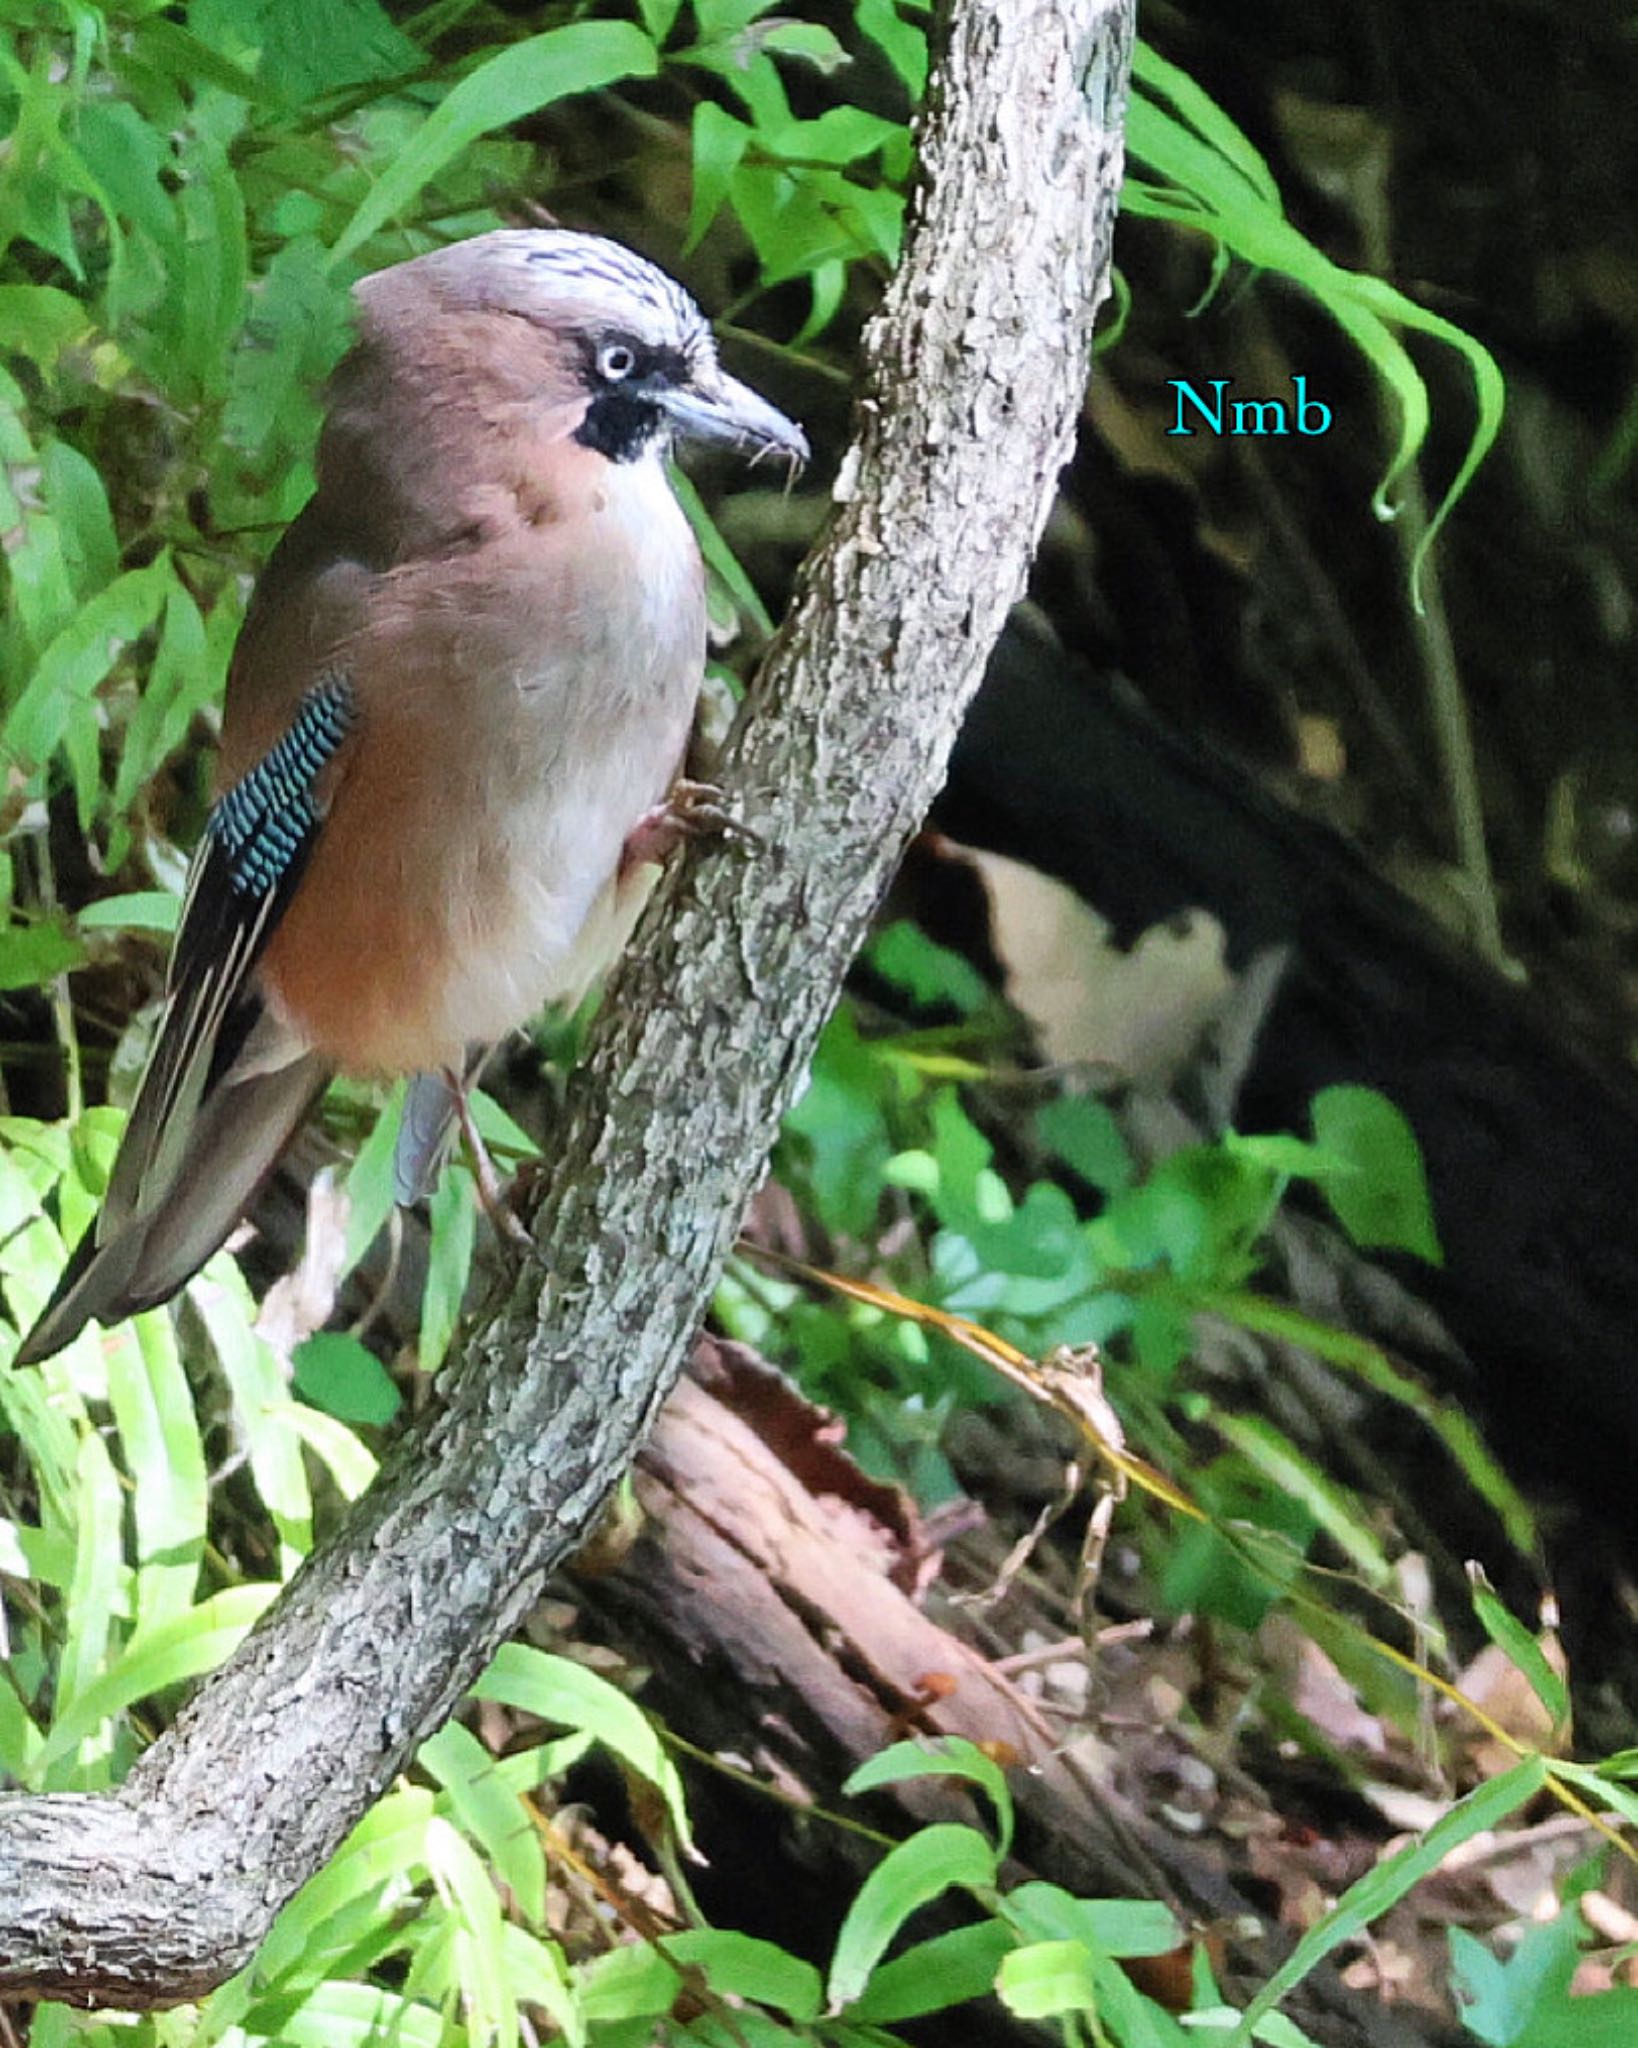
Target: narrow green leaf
[
  {"x": 570, "y": 1696},
  {"x": 1518, "y": 1646},
  {"x": 1116, "y": 1927},
  {"x": 454, "y": 1212},
  {"x": 720, "y": 559},
  {"x": 98, "y": 1554},
  {"x": 160, "y": 1445},
  {"x": 67, "y": 674},
  {"x": 387, "y": 1847},
  {"x": 358, "y": 2016},
  {"x": 181, "y": 679},
  {"x": 631, "y": 1983},
  {"x": 952, "y": 1757},
  {"x": 582, "y": 57},
  {"x": 740, "y": 1966},
  {"x": 370, "y": 1180},
  {"x": 1271, "y": 1452},
  {"x": 492, "y": 1814},
  {"x": 480, "y": 1955},
  {"x": 138, "y": 910},
  {"x": 719, "y": 144},
  {"x": 351, "y": 1466},
  {"x": 262, "y": 1410},
  {"x": 1486, "y": 1807},
  {"x": 909, "y": 1876},
  {"x": 934, "y": 1975},
  {"x": 185, "y": 1647}
]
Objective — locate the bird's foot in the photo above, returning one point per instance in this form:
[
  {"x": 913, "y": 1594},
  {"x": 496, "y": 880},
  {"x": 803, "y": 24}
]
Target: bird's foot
[{"x": 692, "y": 810}]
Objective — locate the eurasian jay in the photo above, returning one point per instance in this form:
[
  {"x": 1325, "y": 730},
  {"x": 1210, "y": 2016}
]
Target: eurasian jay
[{"x": 454, "y": 720}]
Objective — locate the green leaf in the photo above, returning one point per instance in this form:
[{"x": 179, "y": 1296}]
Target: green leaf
[
  {"x": 953, "y": 1757},
  {"x": 358, "y": 2016},
  {"x": 1329, "y": 1507},
  {"x": 98, "y": 1511},
  {"x": 159, "y": 1440},
  {"x": 1047, "y": 1978},
  {"x": 1218, "y": 185},
  {"x": 1518, "y": 1646},
  {"x": 719, "y": 144},
  {"x": 928, "y": 972},
  {"x": 741, "y": 1966},
  {"x": 582, "y": 57},
  {"x": 351, "y": 1466},
  {"x": 1387, "y": 1884},
  {"x": 934, "y": 1975},
  {"x": 78, "y": 502},
  {"x": 631, "y": 1983},
  {"x": 492, "y": 1814},
  {"x": 808, "y": 40},
  {"x": 182, "y": 678},
  {"x": 480, "y": 1957},
  {"x": 370, "y": 1180},
  {"x": 138, "y": 910},
  {"x": 1084, "y": 1134},
  {"x": 307, "y": 47},
  {"x": 902, "y": 43},
  {"x": 540, "y": 1976},
  {"x": 909, "y": 1876},
  {"x": 570, "y": 1696},
  {"x": 185, "y": 1647},
  {"x": 452, "y": 1233},
  {"x": 332, "y": 1370},
  {"x": 720, "y": 559},
  {"x": 1381, "y": 1196},
  {"x": 262, "y": 1410},
  {"x": 39, "y": 321},
  {"x": 1116, "y": 1927},
  {"x": 659, "y": 17},
  {"x": 387, "y": 1845},
  {"x": 1504, "y": 2001},
  {"x": 33, "y": 955},
  {"x": 67, "y": 674}
]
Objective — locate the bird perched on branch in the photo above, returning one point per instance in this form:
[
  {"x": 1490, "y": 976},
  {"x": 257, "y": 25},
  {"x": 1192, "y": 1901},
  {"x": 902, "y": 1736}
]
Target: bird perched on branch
[{"x": 454, "y": 730}]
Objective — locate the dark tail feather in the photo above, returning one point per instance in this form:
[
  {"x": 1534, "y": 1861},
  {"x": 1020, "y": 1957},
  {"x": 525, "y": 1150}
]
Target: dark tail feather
[{"x": 241, "y": 1130}]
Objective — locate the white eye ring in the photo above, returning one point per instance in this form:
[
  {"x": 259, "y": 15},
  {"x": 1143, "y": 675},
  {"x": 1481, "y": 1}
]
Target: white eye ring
[{"x": 615, "y": 361}]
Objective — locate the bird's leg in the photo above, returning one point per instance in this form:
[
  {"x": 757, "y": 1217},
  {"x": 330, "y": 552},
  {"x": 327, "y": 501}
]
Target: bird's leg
[
  {"x": 492, "y": 1190},
  {"x": 691, "y": 810}
]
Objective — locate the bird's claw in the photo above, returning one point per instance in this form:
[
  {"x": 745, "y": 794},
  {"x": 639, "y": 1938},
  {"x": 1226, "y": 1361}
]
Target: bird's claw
[{"x": 692, "y": 810}]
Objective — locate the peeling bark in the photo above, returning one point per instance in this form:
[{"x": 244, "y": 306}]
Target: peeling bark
[{"x": 973, "y": 380}]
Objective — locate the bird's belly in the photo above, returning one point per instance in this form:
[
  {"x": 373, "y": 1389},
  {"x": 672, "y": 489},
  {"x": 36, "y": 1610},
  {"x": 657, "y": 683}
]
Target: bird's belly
[{"x": 504, "y": 895}]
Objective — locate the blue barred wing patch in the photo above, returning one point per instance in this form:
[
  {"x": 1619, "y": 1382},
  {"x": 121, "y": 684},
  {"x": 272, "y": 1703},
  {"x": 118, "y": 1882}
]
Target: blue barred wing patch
[
  {"x": 265, "y": 823},
  {"x": 248, "y": 865}
]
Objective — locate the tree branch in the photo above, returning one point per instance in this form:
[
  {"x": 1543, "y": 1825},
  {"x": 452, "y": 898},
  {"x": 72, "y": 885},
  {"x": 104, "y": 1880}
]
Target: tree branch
[{"x": 974, "y": 375}]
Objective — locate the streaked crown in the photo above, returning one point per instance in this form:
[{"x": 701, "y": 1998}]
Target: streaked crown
[{"x": 566, "y": 277}]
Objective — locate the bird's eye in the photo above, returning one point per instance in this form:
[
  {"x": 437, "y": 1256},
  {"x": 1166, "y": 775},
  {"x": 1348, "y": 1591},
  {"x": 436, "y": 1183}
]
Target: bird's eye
[{"x": 616, "y": 360}]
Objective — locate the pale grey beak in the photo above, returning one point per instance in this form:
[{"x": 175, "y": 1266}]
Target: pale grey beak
[{"x": 716, "y": 407}]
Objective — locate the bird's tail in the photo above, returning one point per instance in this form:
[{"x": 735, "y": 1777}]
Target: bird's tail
[{"x": 240, "y": 1131}]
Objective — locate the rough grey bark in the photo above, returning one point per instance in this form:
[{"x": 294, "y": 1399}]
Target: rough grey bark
[{"x": 974, "y": 375}]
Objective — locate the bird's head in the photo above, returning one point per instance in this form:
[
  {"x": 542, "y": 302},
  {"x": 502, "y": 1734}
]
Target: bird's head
[{"x": 619, "y": 342}]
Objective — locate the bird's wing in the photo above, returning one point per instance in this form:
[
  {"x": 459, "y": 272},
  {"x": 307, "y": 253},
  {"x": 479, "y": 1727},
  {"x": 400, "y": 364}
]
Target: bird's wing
[
  {"x": 226, "y": 1083},
  {"x": 249, "y": 864}
]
